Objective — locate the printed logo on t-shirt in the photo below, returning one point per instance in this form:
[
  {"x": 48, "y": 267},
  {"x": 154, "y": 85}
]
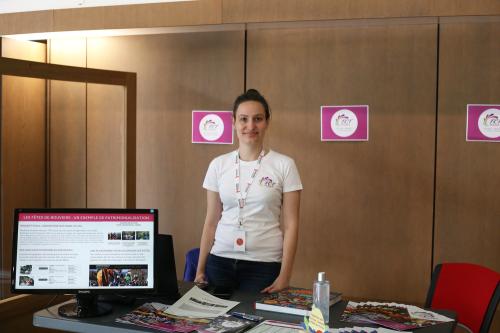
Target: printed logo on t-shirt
[{"x": 267, "y": 181}]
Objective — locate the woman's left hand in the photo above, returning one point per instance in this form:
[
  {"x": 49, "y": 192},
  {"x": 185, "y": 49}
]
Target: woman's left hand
[{"x": 279, "y": 284}]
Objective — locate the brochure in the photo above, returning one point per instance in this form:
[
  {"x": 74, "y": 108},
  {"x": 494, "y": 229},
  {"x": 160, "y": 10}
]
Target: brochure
[
  {"x": 152, "y": 315},
  {"x": 197, "y": 303},
  {"x": 396, "y": 316},
  {"x": 296, "y": 301},
  {"x": 226, "y": 324}
]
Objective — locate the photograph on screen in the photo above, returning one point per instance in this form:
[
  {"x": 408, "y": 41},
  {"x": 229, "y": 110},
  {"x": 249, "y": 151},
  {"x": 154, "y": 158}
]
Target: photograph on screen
[
  {"x": 114, "y": 235},
  {"x": 142, "y": 235},
  {"x": 128, "y": 235},
  {"x": 26, "y": 269},
  {"x": 118, "y": 275},
  {"x": 26, "y": 281}
]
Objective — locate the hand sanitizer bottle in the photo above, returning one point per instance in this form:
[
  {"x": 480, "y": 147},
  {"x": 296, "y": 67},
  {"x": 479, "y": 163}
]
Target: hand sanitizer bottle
[{"x": 321, "y": 296}]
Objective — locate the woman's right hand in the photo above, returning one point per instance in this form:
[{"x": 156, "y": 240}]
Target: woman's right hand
[{"x": 200, "y": 278}]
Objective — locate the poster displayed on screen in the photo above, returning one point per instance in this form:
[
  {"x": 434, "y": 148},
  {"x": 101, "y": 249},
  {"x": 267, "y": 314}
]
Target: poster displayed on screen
[{"x": 84, "y": 250}]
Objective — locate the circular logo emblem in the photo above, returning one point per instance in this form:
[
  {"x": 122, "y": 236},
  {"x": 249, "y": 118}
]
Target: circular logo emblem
[
  {"x": 344, "y": 123},
  {"x": 489, "y": 123},
  {"x": 211, "y": 127},
  {"x": 239, "y": 241}
]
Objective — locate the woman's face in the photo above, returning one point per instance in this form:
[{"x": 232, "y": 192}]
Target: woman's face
[{"x": 250, "y": 123}]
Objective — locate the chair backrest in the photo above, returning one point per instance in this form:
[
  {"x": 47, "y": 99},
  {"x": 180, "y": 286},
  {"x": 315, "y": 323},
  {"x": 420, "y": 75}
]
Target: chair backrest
[
  {"x": 191, "y": 264},
  {"x": 472, "y": 291}
]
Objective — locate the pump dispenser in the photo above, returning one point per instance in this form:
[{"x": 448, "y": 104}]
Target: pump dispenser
[{"x": 321, "y": 296}]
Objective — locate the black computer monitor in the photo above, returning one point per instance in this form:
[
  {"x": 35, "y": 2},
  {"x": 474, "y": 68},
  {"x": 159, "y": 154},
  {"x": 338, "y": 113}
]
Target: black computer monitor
[{"x": 86, "y": 252}]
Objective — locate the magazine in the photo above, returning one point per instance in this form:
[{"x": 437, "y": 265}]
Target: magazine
[
  {"x": 197, "y": 303},
  {"x": 396, "y": 316},
  {"x": 226, "y": 324},
  {"x": 152, "y": 315},
  {"x": 297, "y": 301}
]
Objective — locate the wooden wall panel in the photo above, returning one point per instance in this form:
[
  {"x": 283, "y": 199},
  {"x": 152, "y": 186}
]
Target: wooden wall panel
[
  {"x": 67, "y": 128},
  {"x": 88, "y": 143},
  {"x": 209, "y": 12},
  {"x": 67, "y": 144},
  {"x": 24, "y": 50},
  {"x": 234, "y": 11},
  {"x": 139, "y": 16},
  {"x": 366, "y": 211},
  {"x": 68, "y": 51},
  {"x": 20, "y": 23},
  {"x": 467, "y": 209},
  {"x": 465, "y": 7},
  {"x": 176, "y": 73},
  {"x": 105, "y": 146},
  {"x": 22, "y": 155},
  {"x": 240, "y": 11}
]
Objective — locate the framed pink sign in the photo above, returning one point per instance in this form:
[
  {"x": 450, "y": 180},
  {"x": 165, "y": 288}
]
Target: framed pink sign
[
  {"x": 344, "y": 123},
  {"x": 215, "y": 127},
  {"x": 483, "y": 122}
]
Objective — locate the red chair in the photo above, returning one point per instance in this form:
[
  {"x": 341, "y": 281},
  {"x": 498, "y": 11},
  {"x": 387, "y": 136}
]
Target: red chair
[{"x": 472, "y": 291}]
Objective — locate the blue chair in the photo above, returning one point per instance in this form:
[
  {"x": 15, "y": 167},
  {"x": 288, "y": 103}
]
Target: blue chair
[{"x": 191, "y": 264}]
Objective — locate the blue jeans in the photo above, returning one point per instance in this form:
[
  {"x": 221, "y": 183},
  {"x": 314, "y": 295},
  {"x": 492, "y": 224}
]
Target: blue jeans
[{"x": 244, "y": 275}]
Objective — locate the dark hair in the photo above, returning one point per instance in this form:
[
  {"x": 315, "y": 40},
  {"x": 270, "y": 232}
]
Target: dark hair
[{"x": 251, "y": 95}]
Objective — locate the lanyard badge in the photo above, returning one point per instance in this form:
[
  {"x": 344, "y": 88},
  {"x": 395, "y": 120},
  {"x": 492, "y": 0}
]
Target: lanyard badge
[
  {"x": 239, "y": 235},
  {"x": 240, "y": 192},
  {"x": 239, "y": 240}
]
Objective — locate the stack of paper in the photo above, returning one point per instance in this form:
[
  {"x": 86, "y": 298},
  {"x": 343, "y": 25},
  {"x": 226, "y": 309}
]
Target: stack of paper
[
  {"x": 194, "y": 311},
  {"x": 197, "y": 303},
  {"x": 152, "y": 315}
]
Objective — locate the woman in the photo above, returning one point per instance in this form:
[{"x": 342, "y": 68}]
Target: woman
[{"x": 243, "y": 246}]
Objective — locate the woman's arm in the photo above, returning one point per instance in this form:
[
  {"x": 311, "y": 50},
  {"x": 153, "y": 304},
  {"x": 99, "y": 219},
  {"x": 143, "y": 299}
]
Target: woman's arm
[
  {"x": 291, "y": 206},
  {"x": 214, "y": 211}
]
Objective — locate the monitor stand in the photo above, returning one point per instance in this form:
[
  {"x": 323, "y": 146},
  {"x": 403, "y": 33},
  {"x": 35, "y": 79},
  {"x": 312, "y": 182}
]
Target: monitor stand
[
  {"x": 85, "y": 306},
  {"x": 116, "y": 299}
]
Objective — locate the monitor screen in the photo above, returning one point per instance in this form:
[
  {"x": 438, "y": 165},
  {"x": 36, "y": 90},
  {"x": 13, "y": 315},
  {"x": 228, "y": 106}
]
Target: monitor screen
[{"x": 88, "y": 251}]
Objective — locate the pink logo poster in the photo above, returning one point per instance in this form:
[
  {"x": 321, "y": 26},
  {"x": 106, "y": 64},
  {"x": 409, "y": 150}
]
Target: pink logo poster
[
  {"x": 214, "y": 127},
  {"x": 483, "y": 123},
  {"x": 344, "y": 123}
]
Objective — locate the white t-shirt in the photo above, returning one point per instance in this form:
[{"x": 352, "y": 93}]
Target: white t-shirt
[{"x": 261, "y": 213}]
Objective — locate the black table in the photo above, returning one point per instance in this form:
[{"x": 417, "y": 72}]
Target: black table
[
  {"x": 49, "y": 318},
  {"x": 247, "y": 301}
]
